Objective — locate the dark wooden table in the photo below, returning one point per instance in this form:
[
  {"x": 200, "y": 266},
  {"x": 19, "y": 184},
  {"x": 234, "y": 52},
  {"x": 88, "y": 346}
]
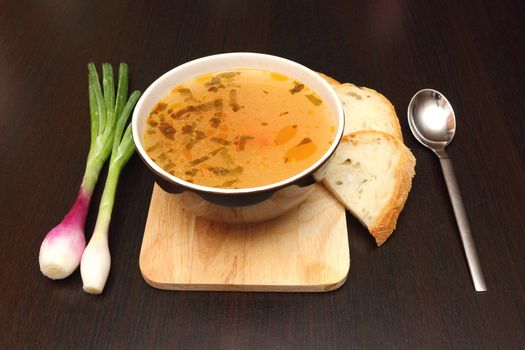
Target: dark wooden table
[{"x": 414, "y": 292}]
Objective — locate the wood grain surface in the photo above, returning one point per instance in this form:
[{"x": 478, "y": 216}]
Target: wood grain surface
[
  {"x": 414, "y": 292},
  {"x": 305, "y": 250}
]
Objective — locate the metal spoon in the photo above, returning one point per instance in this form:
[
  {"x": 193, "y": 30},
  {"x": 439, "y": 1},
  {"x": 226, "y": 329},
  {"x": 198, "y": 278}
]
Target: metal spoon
[{"x": 433, "y": 124}]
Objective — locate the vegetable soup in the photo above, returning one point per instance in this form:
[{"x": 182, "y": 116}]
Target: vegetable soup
[{"x": 238, "y": 129}]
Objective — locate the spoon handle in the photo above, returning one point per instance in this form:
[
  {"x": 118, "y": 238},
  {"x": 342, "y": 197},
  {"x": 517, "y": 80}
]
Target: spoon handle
[{"x": 463, "y": 224}]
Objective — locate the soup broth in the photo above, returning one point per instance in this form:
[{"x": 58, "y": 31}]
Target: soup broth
[{"x": 238, "y": 129}]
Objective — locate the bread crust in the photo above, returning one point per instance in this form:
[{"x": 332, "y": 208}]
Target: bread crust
[
  {"x": 387, "y": 221},
  {"x": 392, "y": 114},
  {"x": 330, "y": 80}
]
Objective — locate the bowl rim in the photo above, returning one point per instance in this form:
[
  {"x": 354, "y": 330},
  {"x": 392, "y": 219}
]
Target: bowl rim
[{"x": 247, "y": 190}]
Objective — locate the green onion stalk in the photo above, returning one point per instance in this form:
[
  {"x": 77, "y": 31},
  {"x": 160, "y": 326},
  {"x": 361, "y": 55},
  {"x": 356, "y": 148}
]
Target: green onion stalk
[{"x": 96, "y": 259}]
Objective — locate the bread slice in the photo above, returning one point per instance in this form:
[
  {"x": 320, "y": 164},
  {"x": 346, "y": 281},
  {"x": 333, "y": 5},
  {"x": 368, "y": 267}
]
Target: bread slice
[
  {"x": 330, "y": 80},
  {"x": 371, "y": 174},
  {"x": 367, "y": 109}
]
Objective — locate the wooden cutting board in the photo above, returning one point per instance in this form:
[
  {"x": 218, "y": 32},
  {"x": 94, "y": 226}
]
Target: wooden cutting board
[{"x": 306, "y": 250}]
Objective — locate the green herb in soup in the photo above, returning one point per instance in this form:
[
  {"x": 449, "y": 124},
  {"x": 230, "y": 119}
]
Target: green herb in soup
[{"x": 238, "y": 129}]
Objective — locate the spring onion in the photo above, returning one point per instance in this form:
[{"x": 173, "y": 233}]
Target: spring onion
[
  {"x": 62, "y": 247},
  {"x": 96, "y": 259}
]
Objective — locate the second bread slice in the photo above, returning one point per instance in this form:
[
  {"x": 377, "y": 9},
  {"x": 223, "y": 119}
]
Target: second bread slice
[{"x": 367, "y": 109}]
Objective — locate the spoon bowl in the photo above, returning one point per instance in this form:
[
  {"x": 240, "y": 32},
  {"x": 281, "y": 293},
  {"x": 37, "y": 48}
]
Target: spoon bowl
[
  {"x": 433, "y": 123},
  {"x": 431, "y": 119}
]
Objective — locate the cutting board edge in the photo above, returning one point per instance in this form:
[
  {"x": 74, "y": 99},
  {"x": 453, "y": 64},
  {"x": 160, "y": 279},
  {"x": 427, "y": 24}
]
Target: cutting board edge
[
  {"x": 216, "y": 287},
  {"x": 318, "y": 288}
]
